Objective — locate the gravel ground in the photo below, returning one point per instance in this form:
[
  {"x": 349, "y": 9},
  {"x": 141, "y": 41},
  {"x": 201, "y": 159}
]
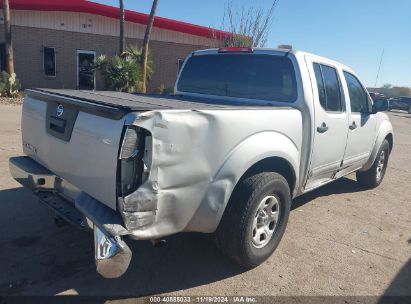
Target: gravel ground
[
  {"x": 16, "y": 101},
  {"x": 340, "y": 240}
]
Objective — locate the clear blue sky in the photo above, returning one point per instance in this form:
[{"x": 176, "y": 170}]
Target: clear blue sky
[{"x": 354, "y": 32}]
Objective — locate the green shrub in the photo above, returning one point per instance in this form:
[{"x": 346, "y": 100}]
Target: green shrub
[
  {"x": 119, "y": 74},
  {"x": 165, "y": 91},
  {"x": 134, "y": 53},
  {"x": 9, "y": 85},
  {"x": 123, "y": 73}
]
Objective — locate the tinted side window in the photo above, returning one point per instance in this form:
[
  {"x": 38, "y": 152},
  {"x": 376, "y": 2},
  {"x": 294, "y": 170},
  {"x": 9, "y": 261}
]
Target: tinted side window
[
  {"x": 332, "y": 88},
  {"x": 328, "y": 85},
  {"x": 320, "y": 85},
  {"x": 358, "y": 97}
]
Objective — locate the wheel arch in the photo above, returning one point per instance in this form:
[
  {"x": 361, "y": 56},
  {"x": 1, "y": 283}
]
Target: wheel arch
[
  {"x": 390, "y": 139},
  {"x": 273, "y": 164},
  {"x": 385, "y": 132}
]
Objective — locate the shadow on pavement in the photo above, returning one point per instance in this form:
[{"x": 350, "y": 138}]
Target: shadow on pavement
[
  {"x": 399, "y": 291},
  {"x": 342, "y": 185},
  {"x": 41, "y": 259},
  {"x": 400, "y": 285}
]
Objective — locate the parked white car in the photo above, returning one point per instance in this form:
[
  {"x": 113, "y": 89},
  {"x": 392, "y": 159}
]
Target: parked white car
[{"x": 247, "y": 131}]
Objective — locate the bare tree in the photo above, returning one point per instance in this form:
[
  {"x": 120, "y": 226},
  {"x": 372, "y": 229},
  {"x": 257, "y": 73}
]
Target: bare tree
[
  {"x": 122, "y": 21},
  {"x": 386, "y": 86},
  {"x": 146, "y": 40},
  {"x": 7, "y": 33},
  {"x": 249, "y": 26}
]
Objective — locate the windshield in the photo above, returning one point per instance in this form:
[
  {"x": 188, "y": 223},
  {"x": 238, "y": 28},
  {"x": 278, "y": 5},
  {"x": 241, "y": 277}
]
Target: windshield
[{"x": 251, "y": 76}]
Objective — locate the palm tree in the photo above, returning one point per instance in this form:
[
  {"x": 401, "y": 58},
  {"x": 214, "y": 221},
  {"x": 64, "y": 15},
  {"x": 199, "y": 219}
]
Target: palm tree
[
  {"x": 135, "y": 53},
  {"x": 7, "y": 33},
  {"x": 122, "y": 20},
  {"x": 145, "y": 45}
]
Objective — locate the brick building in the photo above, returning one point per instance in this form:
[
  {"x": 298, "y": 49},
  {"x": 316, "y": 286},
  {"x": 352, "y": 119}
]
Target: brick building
[{"x": 54, "y": 42}]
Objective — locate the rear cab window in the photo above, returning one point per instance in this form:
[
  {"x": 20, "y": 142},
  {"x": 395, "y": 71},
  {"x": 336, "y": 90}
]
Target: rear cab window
[{"x": 249, "y": 76}]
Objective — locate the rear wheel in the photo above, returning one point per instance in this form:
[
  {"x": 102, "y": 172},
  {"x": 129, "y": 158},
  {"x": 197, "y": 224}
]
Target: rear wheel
[
  {"x": 409, "y": 109},
  {"x": 373, "y": 177},
  {"x": 255, "y": 219}
]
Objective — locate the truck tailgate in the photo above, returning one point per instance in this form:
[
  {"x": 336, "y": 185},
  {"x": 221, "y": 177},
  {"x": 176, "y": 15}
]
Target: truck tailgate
[{"x": 78, "y": 143}]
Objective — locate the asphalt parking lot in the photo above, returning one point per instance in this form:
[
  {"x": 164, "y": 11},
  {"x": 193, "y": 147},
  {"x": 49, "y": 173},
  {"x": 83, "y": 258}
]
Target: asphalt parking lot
[{"x": 340, "y": 240}]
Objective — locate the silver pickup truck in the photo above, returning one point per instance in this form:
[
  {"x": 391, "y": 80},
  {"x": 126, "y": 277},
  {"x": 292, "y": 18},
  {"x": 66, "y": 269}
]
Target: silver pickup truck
[{"x": 246, "y": 131}]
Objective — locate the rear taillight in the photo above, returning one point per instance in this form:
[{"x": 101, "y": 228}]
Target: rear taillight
[
  {"x": 235, "y": 50},
  {"x": 130, "y": 170},
  {"x": 129, "y": 148}
]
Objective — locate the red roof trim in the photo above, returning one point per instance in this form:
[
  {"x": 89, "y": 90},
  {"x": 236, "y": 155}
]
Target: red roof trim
[{"x": 83, "y": 6}]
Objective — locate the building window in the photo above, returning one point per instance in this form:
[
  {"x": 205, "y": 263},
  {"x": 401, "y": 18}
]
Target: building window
[
  {"x": 49, "y": 61},
  {"x": 180, "y": 63}
]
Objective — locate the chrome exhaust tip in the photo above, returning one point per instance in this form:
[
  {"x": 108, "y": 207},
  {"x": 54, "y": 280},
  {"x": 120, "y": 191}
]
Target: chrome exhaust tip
[{"x": 112, "y": 255}]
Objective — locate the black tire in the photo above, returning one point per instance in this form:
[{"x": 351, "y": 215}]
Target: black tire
[
  {"x": 409, "y": 109},
  {"x": 371, "y": 178},
  {"x": 234, "y": 236}
]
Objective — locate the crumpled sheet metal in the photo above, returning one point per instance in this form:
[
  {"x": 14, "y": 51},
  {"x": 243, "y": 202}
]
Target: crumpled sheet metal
[
  {"x": 197, "y": 158},
  {"x": 102, "y": 216}
]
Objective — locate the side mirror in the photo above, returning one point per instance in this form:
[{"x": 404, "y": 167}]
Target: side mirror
[{"x": 380, "y": 105}]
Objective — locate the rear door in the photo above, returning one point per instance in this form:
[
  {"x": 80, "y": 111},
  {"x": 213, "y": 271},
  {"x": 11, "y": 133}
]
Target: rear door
[
  {"x": 362, "y": 124},
  {"x": 330, "y": 122}
]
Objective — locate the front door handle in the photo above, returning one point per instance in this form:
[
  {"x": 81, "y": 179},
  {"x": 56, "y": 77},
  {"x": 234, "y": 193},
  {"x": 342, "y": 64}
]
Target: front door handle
[
  {"x": 353, "y": 126},
  {"x": 323, "y": 128}
]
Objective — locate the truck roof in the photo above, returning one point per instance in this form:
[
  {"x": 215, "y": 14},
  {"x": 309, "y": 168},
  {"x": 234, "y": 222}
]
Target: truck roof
[{"x": 278, "y": 51}]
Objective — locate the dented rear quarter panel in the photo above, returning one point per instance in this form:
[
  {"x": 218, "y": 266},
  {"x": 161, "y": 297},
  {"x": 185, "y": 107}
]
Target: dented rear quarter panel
[{"x": 199, "y": 156}]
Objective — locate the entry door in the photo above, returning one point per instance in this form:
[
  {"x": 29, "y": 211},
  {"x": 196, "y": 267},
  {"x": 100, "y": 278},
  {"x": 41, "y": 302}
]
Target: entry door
[
  {"x": 330, "y": 122},
  {"x": 362, "y": 124},
  {"x": 85, "y": 75},
  {"x": 3, "y": 66}
]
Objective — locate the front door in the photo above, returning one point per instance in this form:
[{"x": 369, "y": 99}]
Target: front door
[
  {"x": 330, "y": 122},
  {"x": 85, "y": 74},
  {"x": 362, "y": 124},
  {"x": 3, "y": 61}
]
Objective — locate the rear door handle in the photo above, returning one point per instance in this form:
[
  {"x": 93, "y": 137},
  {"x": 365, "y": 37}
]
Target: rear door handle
[
  {"x": 323, "y": 128},
  {"x": 353, "y": 126}
]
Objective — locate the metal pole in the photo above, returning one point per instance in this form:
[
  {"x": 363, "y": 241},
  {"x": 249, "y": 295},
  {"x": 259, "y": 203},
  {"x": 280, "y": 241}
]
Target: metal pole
[{"x": 379, "y": 67}]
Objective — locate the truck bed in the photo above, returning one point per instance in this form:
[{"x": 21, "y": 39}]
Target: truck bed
[
  {"x": 139, "y": 102},
  {"x": 63, "y": 129}
]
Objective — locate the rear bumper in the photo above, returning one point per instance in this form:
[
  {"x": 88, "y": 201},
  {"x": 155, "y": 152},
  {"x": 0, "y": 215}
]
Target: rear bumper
[
  {"x": 112, "y": 255},
  {"x": 31, "y": 174},
  {"x": 45, "y": 185}
]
